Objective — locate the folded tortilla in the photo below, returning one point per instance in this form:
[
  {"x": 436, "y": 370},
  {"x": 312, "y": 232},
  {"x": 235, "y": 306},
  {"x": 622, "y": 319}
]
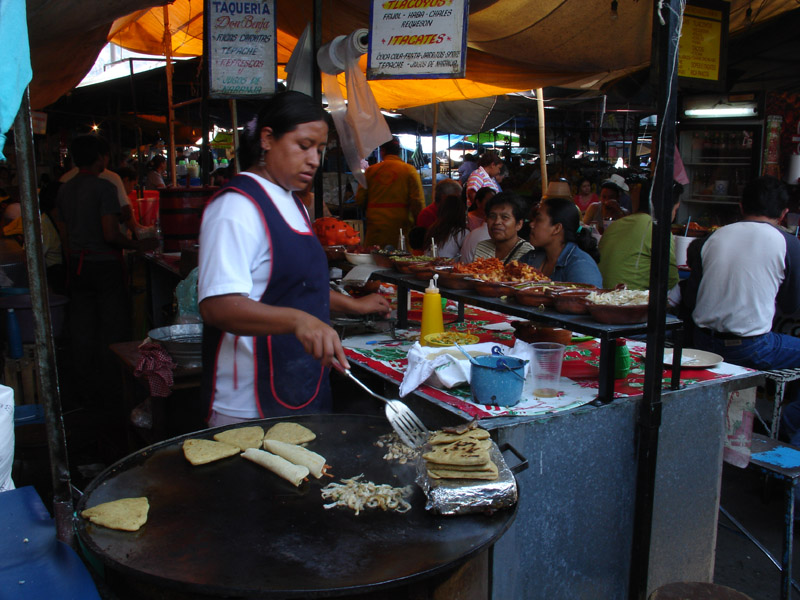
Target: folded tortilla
[
  {"x": 292, "y": 473},
  {"x": 297, "y": 455}
]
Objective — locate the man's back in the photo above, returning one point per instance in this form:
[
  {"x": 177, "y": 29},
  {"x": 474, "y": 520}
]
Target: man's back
[
  {"x": 82, "y": 202},
  {"x": 625, "y": 251},
  {"x": 746, "y": 267},
  {"x": 393, "y": 199}
]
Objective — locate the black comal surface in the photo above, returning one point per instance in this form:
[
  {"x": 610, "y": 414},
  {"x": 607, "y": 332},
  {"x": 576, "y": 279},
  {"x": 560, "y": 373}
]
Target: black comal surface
[{"x": 233, "y": 527}]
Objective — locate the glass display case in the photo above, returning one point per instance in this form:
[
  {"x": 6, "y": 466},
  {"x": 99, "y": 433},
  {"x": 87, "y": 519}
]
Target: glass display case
[{"x": 720, "y": 158}]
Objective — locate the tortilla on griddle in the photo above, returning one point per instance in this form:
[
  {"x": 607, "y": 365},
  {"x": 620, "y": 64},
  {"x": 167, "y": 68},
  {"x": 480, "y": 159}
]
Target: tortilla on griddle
[
  {"x": 126, "y": 514},
  {"x": 298, "y": 455},
  {"x": 292, "y": 473},
  {"x": 291, "y": 433},
  {"x": 201, "y": 452},
  {"x": 464, "y": 452},
  {"x": 242, "y": 437},
  {"x": 442, "y": 437},
  {"x": 489, "y": 473}
]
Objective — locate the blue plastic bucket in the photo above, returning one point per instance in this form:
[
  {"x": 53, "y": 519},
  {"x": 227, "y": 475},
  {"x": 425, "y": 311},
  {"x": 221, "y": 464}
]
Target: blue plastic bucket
[{"x": 492, "y": 383}]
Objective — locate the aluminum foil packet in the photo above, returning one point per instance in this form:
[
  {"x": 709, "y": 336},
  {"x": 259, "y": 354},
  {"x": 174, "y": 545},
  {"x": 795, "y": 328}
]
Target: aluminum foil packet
[{"x": 464, "y": 496}]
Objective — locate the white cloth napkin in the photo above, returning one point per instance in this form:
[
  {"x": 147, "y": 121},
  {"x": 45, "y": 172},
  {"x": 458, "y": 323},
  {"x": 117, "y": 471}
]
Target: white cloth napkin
[{"x": 449, "y": 367}]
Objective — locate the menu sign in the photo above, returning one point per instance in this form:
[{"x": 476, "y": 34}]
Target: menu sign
[
  {"x": 411, "y": 39},
  {"x": 240, "y": 48},
  {"x": 703, "y": 44}
]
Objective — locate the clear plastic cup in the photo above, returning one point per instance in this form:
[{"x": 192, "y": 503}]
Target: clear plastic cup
[{"x": 546, "y": 359}]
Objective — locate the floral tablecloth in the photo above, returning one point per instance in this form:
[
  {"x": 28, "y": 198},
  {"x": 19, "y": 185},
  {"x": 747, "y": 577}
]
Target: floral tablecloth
[{"x": 579, "y": 382}]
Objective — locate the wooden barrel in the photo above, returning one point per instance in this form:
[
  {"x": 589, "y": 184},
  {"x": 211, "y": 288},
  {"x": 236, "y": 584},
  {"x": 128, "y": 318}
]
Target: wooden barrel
[{"x": 180, "y": 210}]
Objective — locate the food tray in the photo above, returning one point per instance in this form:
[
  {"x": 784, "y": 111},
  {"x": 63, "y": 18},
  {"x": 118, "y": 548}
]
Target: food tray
[{"x": 464, "y": 496}]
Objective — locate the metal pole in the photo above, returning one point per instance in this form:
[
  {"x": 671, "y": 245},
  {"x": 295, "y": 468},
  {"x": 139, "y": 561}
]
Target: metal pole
[
  {"x": 542, "y": 139},
  {"x": 170, "y": 107},
  {"x": 316, "y": 83},
  {"x": 434, "y": 170},
  {"x": 43, "y": 330},
  {"x": 139, "y": 162},
  {"x": 235, "y": 123},
  {"x": 664, "y": 62}
]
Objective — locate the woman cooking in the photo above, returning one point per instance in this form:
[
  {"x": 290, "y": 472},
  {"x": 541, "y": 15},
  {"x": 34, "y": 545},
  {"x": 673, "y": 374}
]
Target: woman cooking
[
  {"x": 263, "y": 285},
  {"x": 565, "y": 250}
]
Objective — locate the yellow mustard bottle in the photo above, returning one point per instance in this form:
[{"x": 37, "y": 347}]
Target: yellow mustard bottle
[{"x": 432, "y": 321}]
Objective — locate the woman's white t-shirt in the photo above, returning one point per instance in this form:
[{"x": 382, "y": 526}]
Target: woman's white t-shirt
[{"x": 235, "y": 258}]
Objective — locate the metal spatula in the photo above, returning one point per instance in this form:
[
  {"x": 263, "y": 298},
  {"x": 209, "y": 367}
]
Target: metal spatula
[{"x": 402, "y": 419}]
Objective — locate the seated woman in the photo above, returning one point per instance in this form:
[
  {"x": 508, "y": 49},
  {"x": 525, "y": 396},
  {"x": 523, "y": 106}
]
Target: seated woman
[
  {"x": 607, "y": 209},
  {"x": 505, "y": 215},
  {"x": 565, "y": 250},
  {"x": 449, "y": 229},
  {"x": 477, "y": 214},
  {"x": 585, "y": 196}
]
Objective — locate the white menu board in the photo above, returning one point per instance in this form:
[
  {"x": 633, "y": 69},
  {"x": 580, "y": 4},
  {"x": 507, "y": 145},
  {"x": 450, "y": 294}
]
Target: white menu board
[
  {"x": 412, "y": 39},
  {"x": 241, "y": 48}
]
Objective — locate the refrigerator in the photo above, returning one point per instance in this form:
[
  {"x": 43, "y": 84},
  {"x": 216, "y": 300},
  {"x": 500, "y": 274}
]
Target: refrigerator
[{"x": 720, "y": 157}]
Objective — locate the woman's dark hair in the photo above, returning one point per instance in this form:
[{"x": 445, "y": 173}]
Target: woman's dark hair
[
  {"x": 561, "y": 210},
  {"x": 480, "y": 195},
  {"x": 518, "y": 206},
  {"x": 282, "y": 113},
  {"x": 156, "y": 162},
  {"x": 489, "y": 158},
  {"x": 451, "y": 220}
]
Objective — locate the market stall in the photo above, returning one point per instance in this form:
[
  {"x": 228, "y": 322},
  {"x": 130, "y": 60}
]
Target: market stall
[{"x": 573, "y": 534}]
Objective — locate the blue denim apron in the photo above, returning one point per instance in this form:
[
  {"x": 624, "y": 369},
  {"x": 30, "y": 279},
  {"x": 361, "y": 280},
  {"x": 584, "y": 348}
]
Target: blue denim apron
[{"x": 288, "y": 380}]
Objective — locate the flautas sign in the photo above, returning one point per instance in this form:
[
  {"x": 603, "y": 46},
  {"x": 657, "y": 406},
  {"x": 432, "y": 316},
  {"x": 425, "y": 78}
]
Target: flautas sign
[{"x": 417, "y": 39}]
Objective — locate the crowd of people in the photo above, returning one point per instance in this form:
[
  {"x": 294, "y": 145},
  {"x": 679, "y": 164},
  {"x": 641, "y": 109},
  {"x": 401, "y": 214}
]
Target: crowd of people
[{"x": 263, "y": 286}]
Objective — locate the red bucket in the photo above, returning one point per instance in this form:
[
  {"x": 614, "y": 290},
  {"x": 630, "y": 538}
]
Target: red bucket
[
  {"x": 180, "y": 212},
  {"x": 148, "y": 208}
]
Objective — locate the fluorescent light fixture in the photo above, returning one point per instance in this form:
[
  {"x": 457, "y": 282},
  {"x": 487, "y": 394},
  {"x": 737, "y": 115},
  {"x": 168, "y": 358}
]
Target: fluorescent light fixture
[{"x": 721, "y": 112}]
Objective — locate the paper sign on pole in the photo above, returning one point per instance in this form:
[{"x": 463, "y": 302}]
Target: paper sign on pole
[
  {"x": 703, "y": 44},
  {"x": 241, "y": 48},
  {"x": 412, "y": 39}
]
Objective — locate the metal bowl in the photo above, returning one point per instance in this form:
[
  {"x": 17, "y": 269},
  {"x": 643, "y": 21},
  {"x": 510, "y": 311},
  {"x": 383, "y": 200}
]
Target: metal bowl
[{"x": 183, "y": 342}]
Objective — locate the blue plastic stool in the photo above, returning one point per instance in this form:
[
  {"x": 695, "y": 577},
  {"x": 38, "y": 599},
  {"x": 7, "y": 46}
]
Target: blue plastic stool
[
  {"x": 28, "y": 414},
  {"x": 33, "y": 563}
]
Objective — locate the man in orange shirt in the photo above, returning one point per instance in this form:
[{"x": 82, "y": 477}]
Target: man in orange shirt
[{"x": 393, "y": 197}]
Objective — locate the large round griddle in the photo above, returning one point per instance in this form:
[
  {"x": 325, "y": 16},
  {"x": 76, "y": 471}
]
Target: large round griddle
[{"x": 234, "y": 528}]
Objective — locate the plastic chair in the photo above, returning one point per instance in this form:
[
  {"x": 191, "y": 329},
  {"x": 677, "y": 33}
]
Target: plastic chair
[
  {"x": 780, "y": 377},
  {"x": 693, "y": 590},
  {"x": 33, "y": 562},
  {"x": 781, "y": 462}
]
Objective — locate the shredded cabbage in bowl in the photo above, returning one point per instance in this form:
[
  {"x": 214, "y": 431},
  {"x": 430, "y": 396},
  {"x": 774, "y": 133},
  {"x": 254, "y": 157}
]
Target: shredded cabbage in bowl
[{"x": 620, "y": 297}]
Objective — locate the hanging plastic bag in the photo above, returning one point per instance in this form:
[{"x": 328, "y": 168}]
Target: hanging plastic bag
[
  {"x": 186, "y": 294},
  {"x": 6, "y": 437}
]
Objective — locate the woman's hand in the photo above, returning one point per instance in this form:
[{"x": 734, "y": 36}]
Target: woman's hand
[
  {"x": 373, "y": 303},
  {"x": 320, "y": 340}
]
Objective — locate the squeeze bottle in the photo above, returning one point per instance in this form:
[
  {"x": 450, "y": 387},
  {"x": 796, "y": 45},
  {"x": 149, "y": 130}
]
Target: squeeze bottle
[
  {"x": 622, "y": 359},
  {"x": 432, "y": 321}
]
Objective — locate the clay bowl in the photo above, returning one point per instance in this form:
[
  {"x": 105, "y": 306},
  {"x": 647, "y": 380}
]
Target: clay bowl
[
  {"x": 534, "y": 295},
  {"x": 618, "y": 315},
  {"x": 493, "y": 289},
  {"x": 370, "y": 287},
  {"x": 334, "y": 252},
  {"x": 406, "y": 265},
  {"x": 424, "y": 271},
  {"x": 529, "y": 332},
  {"x": 454, "y": 281},
  {"x": 570, "y": 301},
  {"x": 385, "y": 260}
]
